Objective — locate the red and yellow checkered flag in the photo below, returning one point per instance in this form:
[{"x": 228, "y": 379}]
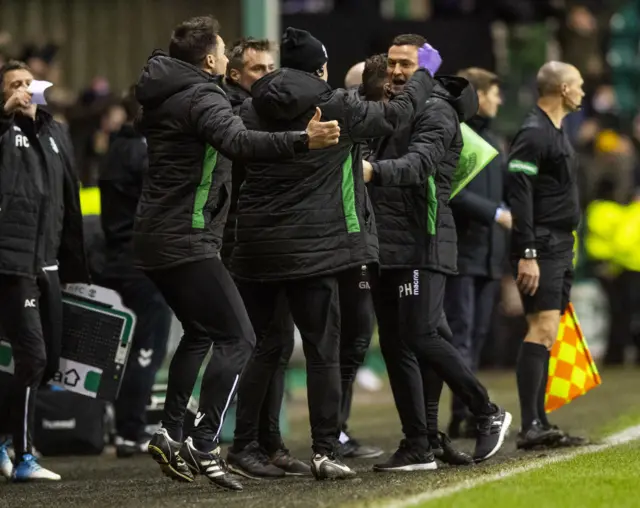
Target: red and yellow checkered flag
[{"x": 572, "y": 371}]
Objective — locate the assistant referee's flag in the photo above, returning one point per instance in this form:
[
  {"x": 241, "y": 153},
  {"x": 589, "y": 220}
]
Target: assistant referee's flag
[{"x": 572, "y": 371}]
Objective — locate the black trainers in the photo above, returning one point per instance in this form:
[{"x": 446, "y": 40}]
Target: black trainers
[
  {"x": 567, "y": 440},
  {"x": 408, "y": 458},
  {"x": 253, "y": 462},
  {"x": 444, "y": 451},
  {"x": 209, "y": 464},
  {"x": 329, "y": 467},
  {"x": 537, "y": 436},
  {"x": 166, "y": 452},
  {"x": 291, "y": 466},
  {"x": 353, "y": 449},
  {"x": 492, "y": 430}
]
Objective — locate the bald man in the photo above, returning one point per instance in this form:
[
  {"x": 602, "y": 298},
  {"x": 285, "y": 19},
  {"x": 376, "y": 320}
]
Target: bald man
[
  {"x": 543, "y": 195},
  {"x": 353, "y": 79}
]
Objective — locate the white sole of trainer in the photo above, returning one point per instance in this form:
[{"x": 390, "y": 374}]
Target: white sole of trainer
[
  {"x": 503, "y": 432},
  {"x": 428, "y": 466}
]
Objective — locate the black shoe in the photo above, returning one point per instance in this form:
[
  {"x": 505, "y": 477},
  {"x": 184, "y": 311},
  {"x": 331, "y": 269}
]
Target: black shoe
[
  {"x": 126, "y": 449},
  {"x": 291, "y": 466},
  {"x": 352, "y": 449},
  {"x": 166, "y": 452},
  {"x": 329, "y": 467},
  {"x": 252, "y": 462},
  {"x": 492, "y": 430},
  {"x": 408, "y": 458},
  {"x": 444, "y": 451},
  {"x": 538, "y": 436},
  {"x": 209, "y": 464},
  {"x": 567, "y": 440}
]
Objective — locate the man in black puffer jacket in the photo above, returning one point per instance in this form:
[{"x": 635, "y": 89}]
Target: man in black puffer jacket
[
  {"x": 304, "y": 224},
  {"x": 41, "y": 246},
  {"x": 190, "y": 130},
  {"x": 410, "y": 193}
]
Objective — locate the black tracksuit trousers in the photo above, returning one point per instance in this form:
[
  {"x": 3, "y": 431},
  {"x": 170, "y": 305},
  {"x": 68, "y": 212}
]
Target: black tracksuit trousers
[
  {"x": 409, "y": 308},
  {"x": 207, "y": 303},
  {"x": 262, "y": 388},
  {"x": 148, "y": 349},
  {"x": 31, "y": 320}
]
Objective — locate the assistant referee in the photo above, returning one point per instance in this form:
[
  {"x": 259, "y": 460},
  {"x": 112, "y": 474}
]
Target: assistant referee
[{"x": 543, "y": 195}]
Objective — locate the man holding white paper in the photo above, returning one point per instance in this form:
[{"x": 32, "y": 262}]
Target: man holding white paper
[
  {"x": 41, "y": 246},
  {"x": 481, "y": 221}
]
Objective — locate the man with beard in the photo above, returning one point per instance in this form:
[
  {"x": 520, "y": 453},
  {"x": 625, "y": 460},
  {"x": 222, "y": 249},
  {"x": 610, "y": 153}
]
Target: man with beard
[
  {"x": 191, "y": 130},
  {"x": 411, "y": 185},
  {"x": 266, "y": 455},
  {"x": 542, "y": 191},
  {"x": 41, "y": 246},
  {"x": 304, "y": 227},
  {"x": 481, "y": 220}
]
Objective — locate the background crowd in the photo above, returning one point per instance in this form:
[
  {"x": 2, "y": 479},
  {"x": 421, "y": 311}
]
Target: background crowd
[{"x": 511, "y": 37}]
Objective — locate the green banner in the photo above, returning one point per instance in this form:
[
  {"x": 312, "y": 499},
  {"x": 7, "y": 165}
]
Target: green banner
[{"x": 476, "y": 154}]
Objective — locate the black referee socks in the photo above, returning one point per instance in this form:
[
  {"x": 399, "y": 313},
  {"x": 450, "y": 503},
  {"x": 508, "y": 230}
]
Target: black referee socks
[
  {"x": 531, "y": 374},
  {"x": 542, "y": 415}
]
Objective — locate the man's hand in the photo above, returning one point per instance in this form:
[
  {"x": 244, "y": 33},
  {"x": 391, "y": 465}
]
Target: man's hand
[
  {"x": 505, "y": 219},
  {"x": 322, "y": 134},
  {"x": 19, "y": 100},
  {"x": 528, "y": 276},
  {"x": 367, "y": 171}
]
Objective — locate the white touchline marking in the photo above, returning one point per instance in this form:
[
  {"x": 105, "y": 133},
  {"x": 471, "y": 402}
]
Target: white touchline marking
[{"x": 625, "y": 436}]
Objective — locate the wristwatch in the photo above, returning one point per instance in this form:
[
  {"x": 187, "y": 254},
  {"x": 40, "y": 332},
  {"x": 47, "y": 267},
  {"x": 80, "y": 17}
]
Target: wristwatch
[
  {"x": 530, "y": 254},
  {"x": 302, "y": 143}
]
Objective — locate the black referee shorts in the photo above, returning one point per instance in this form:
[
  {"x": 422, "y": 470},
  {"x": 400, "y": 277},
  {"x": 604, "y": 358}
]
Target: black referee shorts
[{"x": 555, "y": 260}]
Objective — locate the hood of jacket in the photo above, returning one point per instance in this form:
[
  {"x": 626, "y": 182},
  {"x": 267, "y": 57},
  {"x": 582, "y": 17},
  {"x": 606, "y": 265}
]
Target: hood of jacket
[
  {"x": 164, "y": 76},
  {"x": 459, "y": 93},
  {"x": 287, "y": 94},
  {"x": 236, "y": 94}
]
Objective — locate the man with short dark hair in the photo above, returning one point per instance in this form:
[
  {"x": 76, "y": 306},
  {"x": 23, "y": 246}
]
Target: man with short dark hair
[
  {"x": 191, "y": 133},
  {"x": 542, "y": 191},
  {"x": 120, "y": 188},
  {"x": 41, "y": 246},
  {"x": 374, "y": 78},
  {"x": 410, "y": 188},
  {"x": 481, "y": 220},
  {"x": 304, "y": 227}
]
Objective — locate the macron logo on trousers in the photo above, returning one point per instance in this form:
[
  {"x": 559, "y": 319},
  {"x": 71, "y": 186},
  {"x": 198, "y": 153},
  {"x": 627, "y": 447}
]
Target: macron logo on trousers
[{"x": 411, "y": 288}]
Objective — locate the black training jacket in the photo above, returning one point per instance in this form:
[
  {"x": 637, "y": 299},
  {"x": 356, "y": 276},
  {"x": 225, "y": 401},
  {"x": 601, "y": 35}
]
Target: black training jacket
[
  {"x": 308, "y": 216},
  {"x": 40, "y": 218},
  {"x": 191, "y": 134},
  {"x": 412, "y": 181},
  {"x": 237, "y": 95},
  {"x": 120, "y": 188},
  {"x": 542, "y": 188},
  {"x": 481, "y": 240}
]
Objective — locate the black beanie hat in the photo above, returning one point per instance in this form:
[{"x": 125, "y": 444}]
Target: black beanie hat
[{"x": 302, "y": 51}]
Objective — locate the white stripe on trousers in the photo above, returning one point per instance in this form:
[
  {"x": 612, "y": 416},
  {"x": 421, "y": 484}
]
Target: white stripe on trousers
[
  {"x": 226, "y": 407},
  {"x": 26, "y": 419}
]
